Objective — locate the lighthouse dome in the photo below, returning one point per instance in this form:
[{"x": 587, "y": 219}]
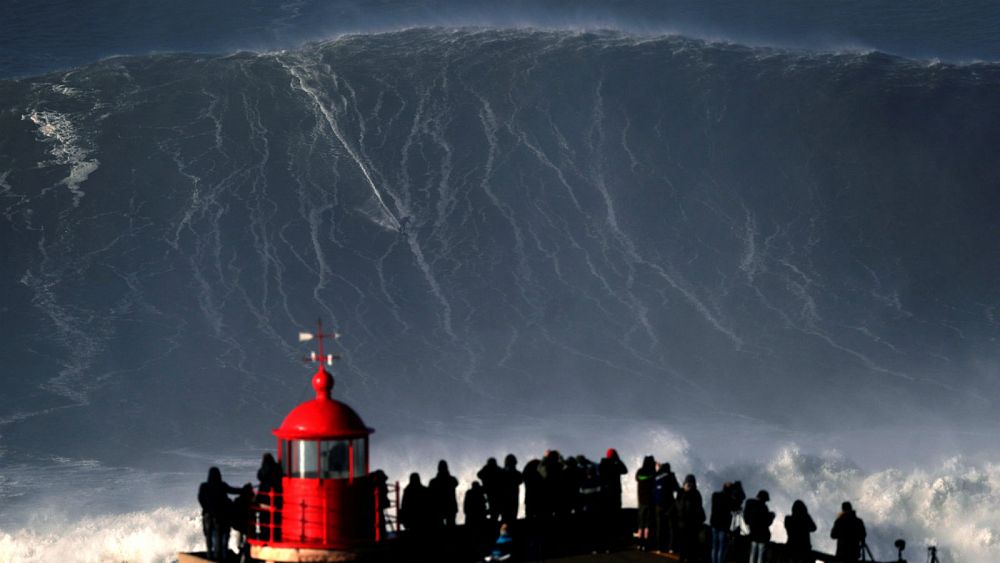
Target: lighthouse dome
[{"x": 322, "y": 417}]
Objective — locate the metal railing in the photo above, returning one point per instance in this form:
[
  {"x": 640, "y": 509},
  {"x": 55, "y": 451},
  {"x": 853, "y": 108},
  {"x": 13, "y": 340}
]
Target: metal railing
[{"x": 271, "y": 519}]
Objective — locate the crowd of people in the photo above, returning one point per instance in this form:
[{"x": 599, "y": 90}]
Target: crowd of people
[
  {"x": 559, "y": 491},
  {"x": 671, "y": 512}
]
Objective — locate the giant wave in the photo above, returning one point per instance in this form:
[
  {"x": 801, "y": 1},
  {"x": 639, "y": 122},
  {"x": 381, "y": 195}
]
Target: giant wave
[{"x": 507, "y": 225}]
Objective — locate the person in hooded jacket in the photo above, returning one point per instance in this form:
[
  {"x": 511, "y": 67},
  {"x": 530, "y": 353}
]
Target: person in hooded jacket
[
  {"x": 849, "y": 531},
  {"x": 216, "y": 513},
  {"x": 663, "y": 496},
  {"x": 442, "y": 496},
  {"x": 799, "y": 524},
  {"x": 690, "y": 518},
  {"x": 759, "y": 520},
  {"x": 645, "y": 479},
  {"x": 414, "y": 509}
]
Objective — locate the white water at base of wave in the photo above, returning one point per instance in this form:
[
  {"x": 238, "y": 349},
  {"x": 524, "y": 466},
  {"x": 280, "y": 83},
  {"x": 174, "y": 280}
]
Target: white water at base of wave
[
  {"x": 951, "y": 505},
  {"x": 146, "y": 537}
]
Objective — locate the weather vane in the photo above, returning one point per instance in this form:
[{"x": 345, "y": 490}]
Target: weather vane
[{"x": 319, "y": 335}]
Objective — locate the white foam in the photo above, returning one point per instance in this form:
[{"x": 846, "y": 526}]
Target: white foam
[
  {"x": 951, "y": 505},
  {"x": 67, "y": 149},
  {"x": 152, "y": 536}
]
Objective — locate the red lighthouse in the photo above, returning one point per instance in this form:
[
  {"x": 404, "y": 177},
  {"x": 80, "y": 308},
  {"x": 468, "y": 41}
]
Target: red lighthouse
[{"x": 326, "y": 510}]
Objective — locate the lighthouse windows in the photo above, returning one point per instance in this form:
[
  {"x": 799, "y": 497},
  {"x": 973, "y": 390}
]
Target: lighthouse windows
[
  {"x": 325, "y": 459},
  {"x": 335, "y": 459},
  {"x": 304, "y": 457},
  {"x": 360, "y": 466}
]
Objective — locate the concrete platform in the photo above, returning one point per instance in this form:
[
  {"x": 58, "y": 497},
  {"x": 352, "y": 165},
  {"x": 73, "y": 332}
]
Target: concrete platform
[{"x": 629, "y": 556}]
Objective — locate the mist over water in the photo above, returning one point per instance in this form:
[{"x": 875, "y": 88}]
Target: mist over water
[{"x": 765, "y": 264}]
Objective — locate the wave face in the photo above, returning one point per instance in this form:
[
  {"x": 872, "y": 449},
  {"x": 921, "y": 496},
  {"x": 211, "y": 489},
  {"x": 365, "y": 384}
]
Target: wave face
[{"x": 747, "y": 245}]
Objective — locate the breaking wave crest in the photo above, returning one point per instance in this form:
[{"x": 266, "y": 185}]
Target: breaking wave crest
[
  {"x": 951, "y": 506},
  {"x": 67, "y": 149}
]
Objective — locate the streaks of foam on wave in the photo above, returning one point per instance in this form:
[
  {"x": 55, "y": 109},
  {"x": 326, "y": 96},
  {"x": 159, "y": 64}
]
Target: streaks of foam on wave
[
  {"x": 298, "y": 71},
  {"x": 412, "y": 238},
  {"x": 750, "y": 263},
  {"x": 489, "y": 122},
  {"x": 80, "y": 341},
  {"x": 68, "y": 149},
  {"x": 633, "y": 254}
]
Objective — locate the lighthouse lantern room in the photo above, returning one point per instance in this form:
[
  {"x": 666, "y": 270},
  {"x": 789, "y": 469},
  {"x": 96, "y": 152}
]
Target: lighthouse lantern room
[{"x": 327, "y": 500}]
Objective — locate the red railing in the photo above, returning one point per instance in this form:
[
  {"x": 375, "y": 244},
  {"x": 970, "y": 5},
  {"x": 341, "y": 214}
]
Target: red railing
[{"x": 307, "y": 523}]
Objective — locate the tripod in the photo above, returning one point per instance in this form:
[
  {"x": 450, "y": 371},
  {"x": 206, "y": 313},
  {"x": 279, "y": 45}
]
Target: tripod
[
  {"x": 932, "y": 554},
  {"x": 866, "y": 554}
]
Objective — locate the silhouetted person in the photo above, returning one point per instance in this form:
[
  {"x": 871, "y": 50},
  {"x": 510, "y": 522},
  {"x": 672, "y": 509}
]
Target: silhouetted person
[
  {"x": 735, "y": 528},
  {"x": 721, "y": 520},
  {"x": 216, "y": 513},
  {"x": 610, "y": 471},
  {"x": 551, "y": 469},
  {"x": 240, "y": 518},
  {"x": 492, "y": 479},
  {"x": 413, "y": 513},
  {"x": 268, "y": 497},
  {"x": 799, "y": 524},
  {"x": 511, "y": 489},
  {"x": 477, "y": 526},
  {"x": 474, "y": 505},
  {"x": 690, "y": 517},
  {"x": 380, "y": 482},
  {"x": 441, "y": 488},
  {"x": 589, "y": 492},
  {"x": 532, "y": 489},
  {"x": 758, "y": 519},
  {"x": 666, "y": 487},
  {"x": 590, "y": 489},
  {"x": 645, "y": 479},
  {"x": 849, "y": 531},
  {"x": 569, "y": 487}
]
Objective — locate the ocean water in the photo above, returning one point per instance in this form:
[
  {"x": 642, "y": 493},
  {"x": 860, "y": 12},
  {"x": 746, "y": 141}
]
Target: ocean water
[{"x": 758, "y": 248}]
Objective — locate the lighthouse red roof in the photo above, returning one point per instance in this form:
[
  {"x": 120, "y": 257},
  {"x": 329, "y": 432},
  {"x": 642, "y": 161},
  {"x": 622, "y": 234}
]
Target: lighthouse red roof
[{"x": 322, "y": 417}]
